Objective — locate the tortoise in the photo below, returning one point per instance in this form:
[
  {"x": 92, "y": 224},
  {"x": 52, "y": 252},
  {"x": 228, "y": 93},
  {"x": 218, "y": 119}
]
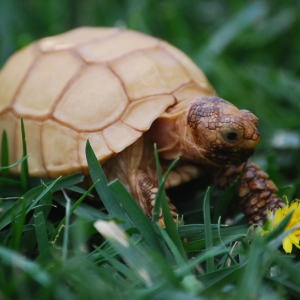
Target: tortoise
[{"x": 124, "y": 91}]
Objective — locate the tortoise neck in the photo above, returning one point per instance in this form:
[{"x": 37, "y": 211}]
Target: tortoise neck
[{"x": 174, "y": 138}]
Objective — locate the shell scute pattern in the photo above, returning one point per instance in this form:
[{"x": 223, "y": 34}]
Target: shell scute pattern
[
  {"x": 104, "y": 84},
  {"x": 13, "y": 73}
]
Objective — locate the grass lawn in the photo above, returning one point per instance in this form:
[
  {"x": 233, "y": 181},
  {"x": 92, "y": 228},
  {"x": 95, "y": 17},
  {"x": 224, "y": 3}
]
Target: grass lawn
[{"x": 55, "y": 245}]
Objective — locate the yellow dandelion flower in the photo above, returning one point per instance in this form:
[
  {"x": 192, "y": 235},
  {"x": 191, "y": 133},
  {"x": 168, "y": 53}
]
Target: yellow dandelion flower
[{"x": 274, "y": 218}]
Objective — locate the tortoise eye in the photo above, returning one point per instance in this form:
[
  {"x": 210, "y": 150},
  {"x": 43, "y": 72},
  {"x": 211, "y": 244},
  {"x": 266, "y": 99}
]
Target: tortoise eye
[{"x": 230, "y": 135}]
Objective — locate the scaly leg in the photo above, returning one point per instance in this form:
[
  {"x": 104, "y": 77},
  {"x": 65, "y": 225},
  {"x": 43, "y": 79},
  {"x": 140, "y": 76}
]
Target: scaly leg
[
  {"x": 256, "y": 194},
  {"x": 146, "y": 193}
]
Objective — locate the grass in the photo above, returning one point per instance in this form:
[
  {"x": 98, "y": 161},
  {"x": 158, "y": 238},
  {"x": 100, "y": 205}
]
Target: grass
[
  {"x": 51, "y": 249},
  {"x": 51, "y": 244}
]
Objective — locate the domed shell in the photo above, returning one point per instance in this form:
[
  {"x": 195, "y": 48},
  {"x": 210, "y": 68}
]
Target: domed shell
[{"x": 103, "y": 84}]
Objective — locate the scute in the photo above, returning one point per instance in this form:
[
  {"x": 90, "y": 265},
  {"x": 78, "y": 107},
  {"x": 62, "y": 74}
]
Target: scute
[
  {"x": 120, "y": 44},
  {"x": 196, "y": 74},
  {"x": 119, "y": 135},
  {"x": 12, "y": 74},
  {"x": 94, "y": 101},
  {"x": 152, "y": 72},
  {"x": 136, "y": 113},
  {"x": 190, "y": 91},
  {"x": 44, "y": 84},
  {"x": 73, "y": 38},
  {"x": 60, "y": 151}
]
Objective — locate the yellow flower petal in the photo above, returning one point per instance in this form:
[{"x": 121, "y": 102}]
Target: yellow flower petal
[
  {"x": 276, "y": 217},
  {"x": 287, "y": 245}
]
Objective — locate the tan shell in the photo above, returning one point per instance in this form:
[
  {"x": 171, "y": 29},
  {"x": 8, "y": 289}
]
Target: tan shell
[{"x": 103, "y": 84}]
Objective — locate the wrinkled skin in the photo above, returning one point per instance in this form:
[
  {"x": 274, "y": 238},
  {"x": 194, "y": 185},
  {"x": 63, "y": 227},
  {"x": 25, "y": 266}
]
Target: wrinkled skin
[{"x": 206, "y": 133}]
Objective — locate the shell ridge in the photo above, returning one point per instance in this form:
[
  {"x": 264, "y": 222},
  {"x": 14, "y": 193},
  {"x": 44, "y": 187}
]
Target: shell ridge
[
  {"x": 109, "y": 67},
  {"x": 71, "y": 81},
  {"x": 131, "y": 53}
]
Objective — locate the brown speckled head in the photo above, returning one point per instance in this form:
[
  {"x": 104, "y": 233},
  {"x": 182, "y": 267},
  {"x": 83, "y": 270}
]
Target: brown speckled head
[{"x": 228, "y": 135}]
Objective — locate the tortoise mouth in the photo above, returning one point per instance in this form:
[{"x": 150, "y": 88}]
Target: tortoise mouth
[{"x": 223, "y": 158}]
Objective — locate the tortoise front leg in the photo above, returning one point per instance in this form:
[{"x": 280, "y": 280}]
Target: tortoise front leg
[
  {"x": 146, "y": 191},
  {"x": 256, "y": 194}
]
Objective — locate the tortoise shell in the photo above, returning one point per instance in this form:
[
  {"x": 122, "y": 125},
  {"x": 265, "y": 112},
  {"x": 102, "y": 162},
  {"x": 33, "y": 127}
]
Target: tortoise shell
[{"x": 107, "y": 85}]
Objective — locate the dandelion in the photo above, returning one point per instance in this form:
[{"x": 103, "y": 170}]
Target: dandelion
[{"x": 274, "y": 218}]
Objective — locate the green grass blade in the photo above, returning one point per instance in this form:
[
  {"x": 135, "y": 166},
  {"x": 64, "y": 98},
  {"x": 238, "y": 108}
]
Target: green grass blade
[
  {"x": 250, "y": 279},
  {"x": 152, "y": 269},
  {"x": 43, "y": 193},
  {"x": 123, "y": 269},
  {"x": 17, "y": 229},
  {"x": 67, "y": 224},
  {"x": 25, "y": 180},
  {"x": 211, "y": 279},
  {"x": 208, "y": 233},
  {"x": 27, "y": 200},
  {"x": 177, "y": 255},
  {"x": 110, "y": 202},
  {"x": 20, "y": 161},
  {"x": 67, "y": 181},
  {"x": 41, "y": 233},
  {"x": 83, "y": 210},
  {"x": 4, "y": 155},
  {"x": 14, "y": 259},
  {"x": 71, "y": 211},
  {"x": 137, "y": 216},
  {"x": 161, "y": 201},
  {"x": 204, "y": 256},
  {"x": 6, "y": 216}
]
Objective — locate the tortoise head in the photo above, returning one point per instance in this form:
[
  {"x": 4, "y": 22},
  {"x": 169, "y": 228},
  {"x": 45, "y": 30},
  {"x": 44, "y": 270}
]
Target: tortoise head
[{"x": 225, "y": 134}]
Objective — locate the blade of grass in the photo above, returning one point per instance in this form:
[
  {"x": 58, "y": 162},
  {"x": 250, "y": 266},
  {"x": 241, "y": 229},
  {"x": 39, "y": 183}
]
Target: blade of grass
[
  {"x": 110, "y": 202},
  {"x": 161, "y": 201},
  {"x": 66, "y": 231},
  {"x": 208, "y": 233},
  {"x": 152, "y": 269},
  {"x": 72, "y": 209},
  {"x": 67, "y": 181},
  {"x": 4, "y": 155},
  {"x": 37, "y": 193},
  {"x": 25, "y": 180},
  {"x": 83, "y": 210},
  {"x": 16, "y": 208},
  {"x": 137, "y": 216},
  {"x": 250, "y": 279},
  {"x": 14, "y": 259},
  {"x": 44, "y": 192},
  {"x": 13, "y": 165},
  {"x": 41, "y": 233},
  {"x": 17, "y": 229},
  {"x": 123, "y": 269},
  {"x": 217, "y": 250}
]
